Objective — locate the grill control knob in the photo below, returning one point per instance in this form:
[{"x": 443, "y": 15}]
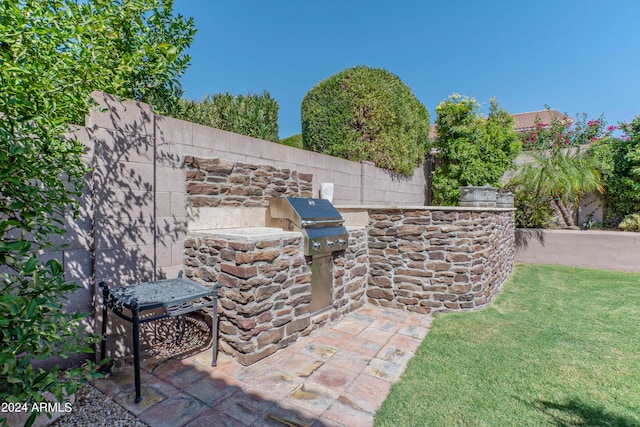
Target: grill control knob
[
  {"x": 330, "y": 243},
  {"x": 342, "y": 242},
  {"x": 316, "y": 245}
]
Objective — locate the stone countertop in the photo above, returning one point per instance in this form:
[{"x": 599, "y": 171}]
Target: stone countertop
[{"x": 248, "y": 234}]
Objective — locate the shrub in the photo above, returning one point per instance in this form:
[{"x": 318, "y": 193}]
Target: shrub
[
  {"x": 364, "y": 113},
  {"x": 630, "y": 223},
  {"x": 252, "y": 115},
  {"x": 52, "y": 55},
  {"x": 473, "y": 150},
  {"x": 563, "y": 133},
  {"x": 619, "y": 161},
  {"x": 293, "y": 141}
]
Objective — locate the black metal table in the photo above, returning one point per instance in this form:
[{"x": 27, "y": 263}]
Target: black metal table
[{"x": 178, "y": 296}]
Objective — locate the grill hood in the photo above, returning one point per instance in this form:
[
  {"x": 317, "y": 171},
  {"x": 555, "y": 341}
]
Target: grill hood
[{"x": 317, "y": 219}]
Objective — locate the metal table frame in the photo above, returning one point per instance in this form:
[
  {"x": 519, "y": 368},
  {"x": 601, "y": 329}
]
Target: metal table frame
[{"x": 178, "y": 296}]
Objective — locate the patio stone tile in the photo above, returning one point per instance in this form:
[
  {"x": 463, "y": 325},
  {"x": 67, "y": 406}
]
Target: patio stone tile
[
  {"x": 246, "y": 373},
  {"x": 386, "y": 325},
  {"x": 348, "y": 359},
  {"x": 385, "y": 370},
  {"x": 414, "y": 331},
  {"x": 405, "y": 342},
  {"x": 273, "y": 386},
  {"x": 337, "y": 379},
  {"x": 348, "y": 416},
  {"x": 370, "y": 310},
  {"x": 176, "y": 411},
  {"x": 106, "y": 386},
  {"x": 300, "y": 365},
  {"x": 424, "y": 320},
  {"x": 396, "y": 355},
  {"x": 332, "y": 337},
  {"x": 399, "y": 316},
  {"x": 212, "y": 417},
  {"x": 311, "y": 397},
  {"x": 376, "y": 335},
  {"x": 150, "y": 397},
  {"x": 245, "y": 407},
  {"x": 323, "y": 422},
  {"x": 353, "y": 326},
  {"x": 319, "y": 350},
  {"x": 210, "y": 390},
  {"x": 367, "y": 392},
  {"x": 280, "y": 417},
  {"x": 162, "y": 386},
  {"x": 178, "y": 373},
  {"x": 363, "y": 346}
]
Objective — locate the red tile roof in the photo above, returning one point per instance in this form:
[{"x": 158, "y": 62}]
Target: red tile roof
[{"x": 523, "y": 121}]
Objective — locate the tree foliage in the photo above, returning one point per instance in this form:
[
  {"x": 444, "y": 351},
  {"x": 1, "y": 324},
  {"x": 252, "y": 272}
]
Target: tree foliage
[
  {"x": 472, "y": 149},
  {"x": 53, "y": 54},
  {"x": 562, "y": 132},
  {"x": 254, "y": 115},
  {"x": 619, "y": 161},
  {"x": 559, "y": 175},
  {"x": 364, "y": 113}
]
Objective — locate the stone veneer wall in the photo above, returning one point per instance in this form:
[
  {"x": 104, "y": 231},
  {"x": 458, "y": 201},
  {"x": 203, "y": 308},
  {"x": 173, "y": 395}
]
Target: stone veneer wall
[
  {"x": 438, "y": 259},
  {"x": 218, "y": 182},
  {"x": 266, "y": 288},
  {"x": 421, "y": 259}
]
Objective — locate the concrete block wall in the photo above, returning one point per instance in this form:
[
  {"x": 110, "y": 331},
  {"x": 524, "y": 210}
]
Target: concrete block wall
[{"x": 609, "y": 250}]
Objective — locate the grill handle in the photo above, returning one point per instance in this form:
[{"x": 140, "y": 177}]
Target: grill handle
[{"x": 312, "y": 223}]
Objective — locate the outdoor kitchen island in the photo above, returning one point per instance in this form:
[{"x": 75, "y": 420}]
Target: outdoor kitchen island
[{"x": 266, "y": 278}]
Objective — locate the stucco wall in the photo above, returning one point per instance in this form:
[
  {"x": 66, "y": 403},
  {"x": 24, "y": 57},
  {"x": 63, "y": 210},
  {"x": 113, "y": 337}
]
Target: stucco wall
[{"x": 609, "y": 250}]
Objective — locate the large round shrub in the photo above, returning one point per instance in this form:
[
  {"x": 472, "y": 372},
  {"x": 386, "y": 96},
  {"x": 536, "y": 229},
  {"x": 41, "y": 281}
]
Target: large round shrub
[{"x": 365, "y": 113}]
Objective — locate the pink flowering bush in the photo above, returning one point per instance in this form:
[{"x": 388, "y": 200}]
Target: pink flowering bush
[{"x": 561, "y": 133}]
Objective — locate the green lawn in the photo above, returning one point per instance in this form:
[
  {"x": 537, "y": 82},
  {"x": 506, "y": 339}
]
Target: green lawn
[{"x": 558, "y": 346}]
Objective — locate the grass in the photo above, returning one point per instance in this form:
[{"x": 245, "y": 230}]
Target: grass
[{"x": 558, "y": 346}]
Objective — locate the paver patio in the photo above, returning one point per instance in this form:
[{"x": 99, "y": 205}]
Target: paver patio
[{"x": 339, "y": 375}]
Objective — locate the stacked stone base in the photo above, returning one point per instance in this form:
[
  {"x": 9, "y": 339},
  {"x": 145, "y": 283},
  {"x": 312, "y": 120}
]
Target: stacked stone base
[{"x": 266, "y": 288}]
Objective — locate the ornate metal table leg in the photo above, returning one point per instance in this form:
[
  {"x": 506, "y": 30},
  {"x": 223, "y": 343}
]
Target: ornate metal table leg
[
  {"x": 136, "y": 349},
  {"x": 214, "y": 329},
  {"x": 105, "y": 297}
]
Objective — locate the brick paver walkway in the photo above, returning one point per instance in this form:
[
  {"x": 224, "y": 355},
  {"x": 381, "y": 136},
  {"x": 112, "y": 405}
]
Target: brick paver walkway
[{"x": 339, "y": 375}]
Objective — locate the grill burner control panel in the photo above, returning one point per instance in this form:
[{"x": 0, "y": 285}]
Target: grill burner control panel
[{"x": 317, "y": 219}]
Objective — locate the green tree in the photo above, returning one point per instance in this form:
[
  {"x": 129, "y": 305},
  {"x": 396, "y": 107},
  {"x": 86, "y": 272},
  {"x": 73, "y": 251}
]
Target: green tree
[
  {"x": 364, "y": 113},
  {"x": 472, "y": 149},
  {"x": 254, "y": 115},
  {"x": 560, "y": 175},
  {"x": 53, "y": 53},
  {"x": 619, "y": 161}
]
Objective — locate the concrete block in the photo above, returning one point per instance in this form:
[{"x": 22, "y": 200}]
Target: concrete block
[
  {"x": 123, "y": 232},
  {"x": 122, "y": 266},
  {"x": 172, "y": 131},
  {"x": 127, "y": 116},
  {"x": 115, "y": 147},
  {"x": 178, "y": 204},
  {"x": 127, "y": 176},
  {"x": 171, "y": 228},
  {"x": 78, "y": 265},
  {"x": 163, "y": 203},
  {"x": 111, "y": 203},
  {"x": 169, "y": 179}
]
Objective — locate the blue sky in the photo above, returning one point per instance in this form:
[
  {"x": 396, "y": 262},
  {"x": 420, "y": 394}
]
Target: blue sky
[{"x": 577, "y": 56}]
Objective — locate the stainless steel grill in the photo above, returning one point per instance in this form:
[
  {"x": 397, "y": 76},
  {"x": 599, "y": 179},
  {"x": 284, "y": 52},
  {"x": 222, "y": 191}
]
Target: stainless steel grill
[
  {"x": 317, "y": 219},
  {"x": 323, "y": 233}
]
